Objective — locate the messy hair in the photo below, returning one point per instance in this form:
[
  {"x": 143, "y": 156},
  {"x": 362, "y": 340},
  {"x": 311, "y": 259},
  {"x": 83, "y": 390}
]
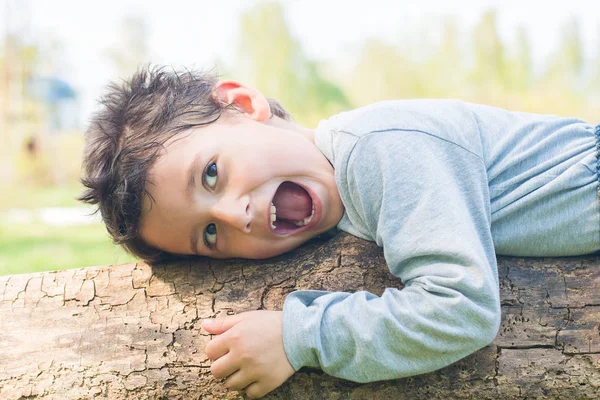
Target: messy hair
[{"x": 127, "y": 135}]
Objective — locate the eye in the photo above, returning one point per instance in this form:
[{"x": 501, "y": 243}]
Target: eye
[
  {"x": 210, "y": 175},
  {"x": 210, "y": 236}
]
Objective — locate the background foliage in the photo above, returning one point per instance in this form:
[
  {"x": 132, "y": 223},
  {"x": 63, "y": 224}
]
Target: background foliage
[{"x": 435, "y": 62}]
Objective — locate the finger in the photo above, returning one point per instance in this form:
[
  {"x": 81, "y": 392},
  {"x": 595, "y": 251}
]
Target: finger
[
  {"x": 223, "y": 367},
  {"x": 237, "y": 381},
  {"x": 216, "y": 326},
  {"x": 217, "y": 348},
  {"x": 255, "y": 390}
]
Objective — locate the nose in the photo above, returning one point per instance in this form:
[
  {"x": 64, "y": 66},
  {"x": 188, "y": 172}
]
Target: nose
[{"x": 234, "y": 212}]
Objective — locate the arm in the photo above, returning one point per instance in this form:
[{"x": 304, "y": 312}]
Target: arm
[{"x": 425, "y": 201}]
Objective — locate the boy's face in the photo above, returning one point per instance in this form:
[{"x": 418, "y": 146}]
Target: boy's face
[{"x": 213, "y": 190}]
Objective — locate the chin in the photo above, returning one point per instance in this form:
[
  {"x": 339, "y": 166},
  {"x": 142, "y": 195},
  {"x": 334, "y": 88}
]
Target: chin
[{"x": 277, "y": 252}]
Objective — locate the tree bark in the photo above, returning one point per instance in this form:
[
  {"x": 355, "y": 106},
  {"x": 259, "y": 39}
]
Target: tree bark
[{"x": 133, "y": 331}]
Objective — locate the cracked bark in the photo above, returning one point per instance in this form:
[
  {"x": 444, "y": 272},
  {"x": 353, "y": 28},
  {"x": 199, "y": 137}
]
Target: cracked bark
[{"x": 133, "y": 332}]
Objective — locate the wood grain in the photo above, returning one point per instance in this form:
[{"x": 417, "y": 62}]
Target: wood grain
[{"x": 133, "y": 331}]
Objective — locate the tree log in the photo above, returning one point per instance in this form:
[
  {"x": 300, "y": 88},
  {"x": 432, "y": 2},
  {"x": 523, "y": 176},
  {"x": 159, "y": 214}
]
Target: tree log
[{"x": 133, "y": 331}]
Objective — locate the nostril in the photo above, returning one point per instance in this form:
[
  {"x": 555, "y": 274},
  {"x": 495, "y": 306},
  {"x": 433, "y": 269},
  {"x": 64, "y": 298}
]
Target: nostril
[
  {"x": 247, "y": 209},
  {"x": 248, "y": 226}
]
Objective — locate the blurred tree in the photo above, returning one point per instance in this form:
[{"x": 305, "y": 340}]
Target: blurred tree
[
  {"x": 132, "y": 48},
  {"x": 594, "y": 84},
  {"x": 520, "y": 65},
  {"x": 21, "y": 115},
  {"x": 497, "y": 74},
  {"x": 272, "y": 60},
  {"x": 411, "y": 68},
  {"x": 382, "y": 72},
  {"x": 445, "y": 70},
  {"x": 566, "y": 63},
  {"x": 489, "y": 69}
]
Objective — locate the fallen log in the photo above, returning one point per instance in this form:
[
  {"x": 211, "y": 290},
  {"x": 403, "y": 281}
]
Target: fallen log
[{"x": 133, "y": 331}]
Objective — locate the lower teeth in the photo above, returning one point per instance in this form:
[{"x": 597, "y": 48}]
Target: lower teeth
[
  {"x": 306, "y": 220},
  {"x": 302, "y": 222}
]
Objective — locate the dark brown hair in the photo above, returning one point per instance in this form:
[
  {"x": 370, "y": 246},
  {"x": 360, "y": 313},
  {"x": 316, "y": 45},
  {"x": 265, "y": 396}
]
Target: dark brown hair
[{"x": 126, "y": 136}]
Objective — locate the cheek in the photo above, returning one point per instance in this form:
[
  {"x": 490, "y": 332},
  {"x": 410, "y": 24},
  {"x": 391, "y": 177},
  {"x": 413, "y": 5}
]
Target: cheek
[{"x": 243, "y": 168}]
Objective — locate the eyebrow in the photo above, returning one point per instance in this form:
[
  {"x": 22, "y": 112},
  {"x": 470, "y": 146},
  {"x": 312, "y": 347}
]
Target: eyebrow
[{"x": 192, "y": 173}]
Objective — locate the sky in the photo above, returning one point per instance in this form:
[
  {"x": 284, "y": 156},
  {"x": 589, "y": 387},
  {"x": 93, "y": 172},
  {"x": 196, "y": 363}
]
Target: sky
[{"x": 197, "y": 32}]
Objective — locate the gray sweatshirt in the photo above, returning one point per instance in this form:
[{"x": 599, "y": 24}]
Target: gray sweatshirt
[{"x": 442, "y": 186}]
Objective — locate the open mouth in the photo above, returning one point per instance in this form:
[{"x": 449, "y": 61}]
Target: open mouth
[{"x": 292, "y": 208}]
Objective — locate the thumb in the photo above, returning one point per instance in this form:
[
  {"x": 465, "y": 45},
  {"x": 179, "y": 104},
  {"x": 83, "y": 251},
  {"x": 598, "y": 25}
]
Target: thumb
[{"x": 216, "y": 326}]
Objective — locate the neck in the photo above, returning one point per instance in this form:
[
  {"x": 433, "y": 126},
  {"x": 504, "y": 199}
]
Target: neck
[{"x": 277, "y": 122}]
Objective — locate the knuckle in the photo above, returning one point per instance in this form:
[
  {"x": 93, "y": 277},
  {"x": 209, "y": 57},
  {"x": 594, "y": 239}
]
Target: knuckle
[
  {"x": 253, "y": 393},
  {"x": 235, "y": 336},
  {"x": 247, "y": 359},
  {"x": 243, "y": 356},
  {"x": 215, "y": 371},
  {"x": 212, "y": 348},
  {"x": 210, "y": 351},
  {"x": 231, "y": 385}
]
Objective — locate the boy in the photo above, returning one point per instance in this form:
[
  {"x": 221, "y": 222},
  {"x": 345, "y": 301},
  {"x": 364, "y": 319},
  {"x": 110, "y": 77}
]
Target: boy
[{"x": 181, "y": 164}]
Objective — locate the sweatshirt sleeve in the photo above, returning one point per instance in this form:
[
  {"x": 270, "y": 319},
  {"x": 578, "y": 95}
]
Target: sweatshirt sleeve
[{"x": 425, "y": 200}]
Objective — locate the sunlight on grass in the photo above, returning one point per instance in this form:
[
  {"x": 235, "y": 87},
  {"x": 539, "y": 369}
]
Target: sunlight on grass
[
  {"x": 34, "y": 246},
  {"x": 37, "y": 247},
  {"x": 29, "y": 196}
]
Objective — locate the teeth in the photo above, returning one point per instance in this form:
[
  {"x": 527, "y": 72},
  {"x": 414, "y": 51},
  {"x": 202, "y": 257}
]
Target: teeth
[
  {"x": 306, "y": 220},
  {"x": 273, "y": 216},
  {"x": 303, "y": 222}
]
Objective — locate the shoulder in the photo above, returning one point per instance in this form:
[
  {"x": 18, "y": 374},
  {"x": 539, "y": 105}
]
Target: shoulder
[
  {"x": 429, "y": 115},
  {"x": 443, "y": 119}
]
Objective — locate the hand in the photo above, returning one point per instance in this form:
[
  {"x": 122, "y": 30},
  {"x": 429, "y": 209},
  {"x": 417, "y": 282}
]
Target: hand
[{"x": 248, "y": 351}]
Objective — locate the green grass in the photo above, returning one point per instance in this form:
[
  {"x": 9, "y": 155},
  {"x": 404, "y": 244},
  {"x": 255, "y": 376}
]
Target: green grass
[
  {"x": 37, "y": 247},
  {"x": 27, "y": 196}
]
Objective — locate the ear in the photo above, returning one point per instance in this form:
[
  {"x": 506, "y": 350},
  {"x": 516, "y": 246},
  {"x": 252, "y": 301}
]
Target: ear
[{"x": 245, "y": 98}]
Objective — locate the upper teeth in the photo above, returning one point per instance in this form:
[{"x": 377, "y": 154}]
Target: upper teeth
[
  {"x": 303, "y": 222},
  {"x": 273, "y": 215}
]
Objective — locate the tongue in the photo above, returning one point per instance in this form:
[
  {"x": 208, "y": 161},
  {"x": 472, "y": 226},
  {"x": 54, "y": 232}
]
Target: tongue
[{"x": 292, "y": 202}]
